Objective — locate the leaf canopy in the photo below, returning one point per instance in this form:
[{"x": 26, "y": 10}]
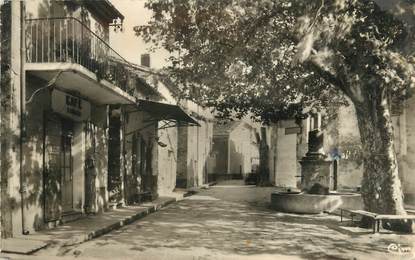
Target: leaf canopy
[{"x": 273, "y": 58}]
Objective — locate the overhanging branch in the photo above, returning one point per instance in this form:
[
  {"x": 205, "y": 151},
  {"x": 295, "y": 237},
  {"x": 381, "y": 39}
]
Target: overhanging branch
[
  {"x": 334, "y": 80},
  {"x": 50, "y": 84}
]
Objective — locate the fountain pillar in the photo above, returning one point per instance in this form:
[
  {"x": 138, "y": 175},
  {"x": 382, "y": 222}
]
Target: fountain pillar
[{"x": 314, "y": 166}]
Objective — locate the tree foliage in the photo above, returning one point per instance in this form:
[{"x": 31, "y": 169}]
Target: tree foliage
[{"x": 274, "y": 58}]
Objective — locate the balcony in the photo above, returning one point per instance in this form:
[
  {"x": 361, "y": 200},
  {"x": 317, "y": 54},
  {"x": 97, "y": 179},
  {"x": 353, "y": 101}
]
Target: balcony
[{"x": 84, "y": 62}]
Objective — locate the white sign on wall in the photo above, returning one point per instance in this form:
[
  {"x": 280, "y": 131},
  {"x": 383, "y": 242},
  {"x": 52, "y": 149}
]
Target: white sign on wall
[{"x": 70, "y": 106}]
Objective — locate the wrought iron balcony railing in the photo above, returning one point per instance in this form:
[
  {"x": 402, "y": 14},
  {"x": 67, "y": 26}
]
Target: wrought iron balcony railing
[{"x": 68, "y": 40}]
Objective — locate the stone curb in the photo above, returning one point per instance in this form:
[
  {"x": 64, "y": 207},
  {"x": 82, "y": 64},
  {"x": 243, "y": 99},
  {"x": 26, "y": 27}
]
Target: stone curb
[{"x": 123, "y": 222}]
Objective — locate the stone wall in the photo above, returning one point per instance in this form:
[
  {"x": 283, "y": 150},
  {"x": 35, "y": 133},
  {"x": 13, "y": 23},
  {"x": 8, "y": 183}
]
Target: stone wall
[
  {"x": 235, "y": 153},
  {"x": 343, "y": 134},
  {"x": 33, "y": 153},
  {"x": 350, "y": 166},
  {"x": 89, "y": 139},
  {"x": 194, "y": 147},
  {"x": 219, "y": 156},
  {"x": 53, "y": 8},
  {"x": 283, "y": 161},
  {"x": 10, "y": 136},
  {"x": 342, "y": 142},
  {"x": 406, "y": 155},
  {"x": 182, "y": 151},
  {"x": 140, "y": 155},
  {"x": 167, "y": 161},
  {"x": 95, "y": 141},
  {"x": 241, "y": 150}
]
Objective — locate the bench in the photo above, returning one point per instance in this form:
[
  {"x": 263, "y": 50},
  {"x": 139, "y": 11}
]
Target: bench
[
  {"x": 381, "y": 217},
  {"x": 410, "y": 211},
  {"x": 362, "y": 213},
  {"x": 376, "y": 218},
  {"x": 353, "y": 213}
]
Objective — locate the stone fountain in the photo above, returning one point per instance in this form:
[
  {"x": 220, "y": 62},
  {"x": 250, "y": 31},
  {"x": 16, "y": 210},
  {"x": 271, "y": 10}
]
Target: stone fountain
[
  {"x": 315, "y": 168},
  {"x": 315, "y": 184}
]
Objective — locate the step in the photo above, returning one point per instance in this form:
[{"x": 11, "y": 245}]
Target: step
[
  {"x": 115, "y": 205},
  {"x": 71, "y": 216}
]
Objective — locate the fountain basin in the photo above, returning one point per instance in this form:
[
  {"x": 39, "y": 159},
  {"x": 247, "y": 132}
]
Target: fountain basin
[{"x": 296, "y": 202}]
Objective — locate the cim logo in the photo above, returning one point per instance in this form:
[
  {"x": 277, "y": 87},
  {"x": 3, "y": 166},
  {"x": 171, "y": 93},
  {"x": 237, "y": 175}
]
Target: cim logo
[{"x": 398, "y": 249}]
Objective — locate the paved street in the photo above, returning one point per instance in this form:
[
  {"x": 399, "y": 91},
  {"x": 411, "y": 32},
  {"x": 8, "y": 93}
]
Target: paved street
[{"x": 231, "y": 221}]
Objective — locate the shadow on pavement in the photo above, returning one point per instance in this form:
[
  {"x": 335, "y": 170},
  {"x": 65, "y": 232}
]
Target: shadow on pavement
[{"x": 245, "y": 229}]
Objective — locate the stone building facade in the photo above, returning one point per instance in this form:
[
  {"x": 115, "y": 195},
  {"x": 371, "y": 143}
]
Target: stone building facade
[
  {"x": 62, "y": 112},
  {"x": 345, "y": 141},
  {"x": 184, "y": 146},
  {"x": 235, "y": 150},
  {"x": 82, "y": 130},
  {"x": 284, "y": 139},
  {"x": 194, "y": 148}
]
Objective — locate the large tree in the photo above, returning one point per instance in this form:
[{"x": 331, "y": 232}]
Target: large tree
[{"x": 274, "y": 57}]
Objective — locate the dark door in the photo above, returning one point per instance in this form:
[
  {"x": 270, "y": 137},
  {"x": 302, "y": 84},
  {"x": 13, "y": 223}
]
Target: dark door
[
  {"x": 137, "y": 161},
  {"x": 90, "y": 169},
  {"x": 58, "y": 168},
  {"x": 335, "y": 175},
  {"x": 67, "y": 166},
  {"x": 141, "y": 162},
  {"x": 114, "y": 160},
  {"x": 52, "y": 168}
]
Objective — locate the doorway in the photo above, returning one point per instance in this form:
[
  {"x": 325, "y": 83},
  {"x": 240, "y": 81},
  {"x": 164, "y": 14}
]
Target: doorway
[
  {"x": 67, "y": 166},
  {"x": 134, "y": 180},
  {"x": 58, "y": 167},
  {"x": 335, "y": 167}
]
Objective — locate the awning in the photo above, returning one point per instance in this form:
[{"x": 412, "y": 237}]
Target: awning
[{"x": 166, "y": 112}]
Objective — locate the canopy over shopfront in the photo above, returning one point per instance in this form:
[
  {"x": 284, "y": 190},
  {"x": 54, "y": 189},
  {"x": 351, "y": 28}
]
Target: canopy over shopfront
[{"x": 172, "y": 114}]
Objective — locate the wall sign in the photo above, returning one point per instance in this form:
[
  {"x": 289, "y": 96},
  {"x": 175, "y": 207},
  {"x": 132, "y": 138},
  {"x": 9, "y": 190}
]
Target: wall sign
[
  {"x": 292, "y": 130},
  {"x": 70, "y": 106}
]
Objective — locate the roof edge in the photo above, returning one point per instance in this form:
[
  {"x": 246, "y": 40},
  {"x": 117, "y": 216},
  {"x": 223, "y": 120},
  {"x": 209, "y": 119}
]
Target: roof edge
[{"x": 105, "y": 8}]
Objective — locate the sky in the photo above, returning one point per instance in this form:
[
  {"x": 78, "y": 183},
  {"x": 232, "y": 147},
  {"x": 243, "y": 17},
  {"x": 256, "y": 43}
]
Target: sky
[
  {"x": 131, "y": 47},
  {"x": 126, "y": 43}
]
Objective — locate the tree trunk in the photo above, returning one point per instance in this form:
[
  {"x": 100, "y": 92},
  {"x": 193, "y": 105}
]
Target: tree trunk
[
  {"x": 381, "y": 186},
  {"x": 263, "y": 159}
]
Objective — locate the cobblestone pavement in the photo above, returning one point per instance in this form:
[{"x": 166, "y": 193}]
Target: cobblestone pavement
[{"x": 235, "y": 222}]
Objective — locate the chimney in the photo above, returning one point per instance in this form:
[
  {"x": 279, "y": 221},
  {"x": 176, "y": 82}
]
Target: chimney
[{"x": 145, "y": 60}]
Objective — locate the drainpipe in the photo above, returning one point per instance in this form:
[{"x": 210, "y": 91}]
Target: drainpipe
[{"x": 22, "y": 116}]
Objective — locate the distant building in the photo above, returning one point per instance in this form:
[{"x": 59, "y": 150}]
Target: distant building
[
  {"x": 188, "y": 145},
  {"x": 235, "y": 150},
  {"x": 343, "y": 141},
  {"x": 284, "y": 138},
  {"x": 194, "y": 148}
]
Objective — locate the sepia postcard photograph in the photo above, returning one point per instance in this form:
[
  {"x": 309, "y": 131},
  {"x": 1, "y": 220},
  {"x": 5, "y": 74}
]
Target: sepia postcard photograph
[{"x": 207, "y": 129}]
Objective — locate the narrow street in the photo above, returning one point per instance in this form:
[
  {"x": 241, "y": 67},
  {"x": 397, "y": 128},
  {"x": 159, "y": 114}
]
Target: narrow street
[
  {"x": 232, "y": 221},
  {"x": 131, "y": 129}
]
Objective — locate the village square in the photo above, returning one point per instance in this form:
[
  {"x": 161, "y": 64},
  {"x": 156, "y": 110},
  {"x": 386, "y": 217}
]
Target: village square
[{"x": 196, "y": 129}]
